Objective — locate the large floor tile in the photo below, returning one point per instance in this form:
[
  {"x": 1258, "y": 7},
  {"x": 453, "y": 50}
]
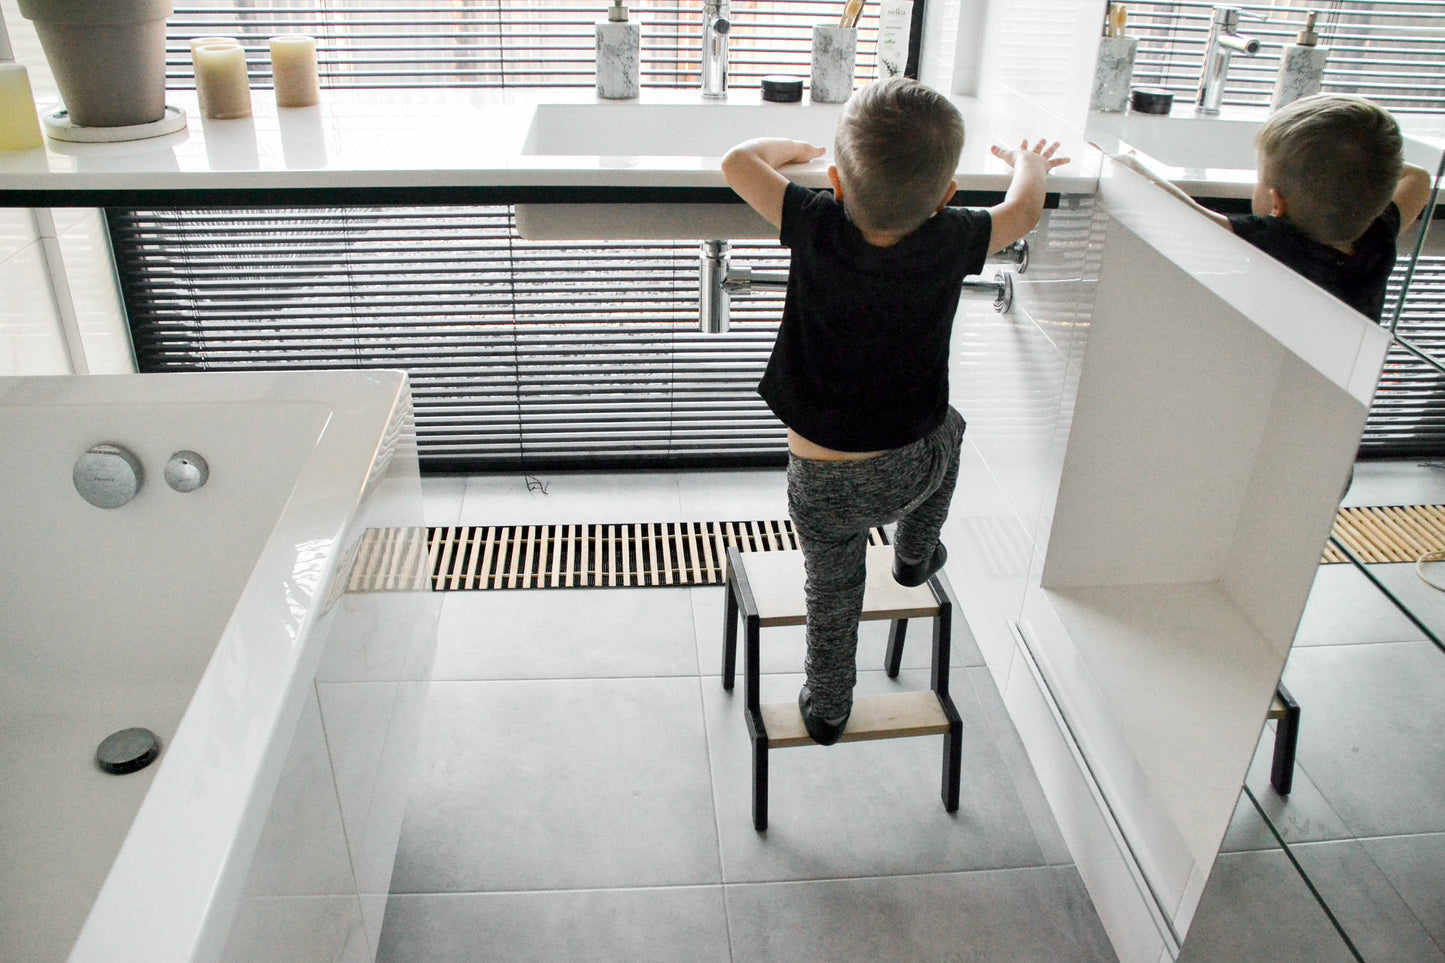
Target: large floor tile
[
  {"x": 1256, "y": 907},
  {"x": 1370, "y": 733},
  {"x": 566, "y": 634},
  {"x": 557, "y": 785},
  {"x": 863, "y": 808},
  {"x": 783, "y": 647},
  {"x": 1415, "y": 867},
  {"x": 1302, "y": 816},
  {"x": 1020, "y": 915},
  {"x": 665, "y": 925},
  {"x": 442, "y": 497},
  {"x": 1425, "y": 603},
  {"x": 1397, "y": 482},
  {"x": 757, "y": 494},
  {"x": 1026, "y": 783},
  {"x": 571, "y": 498},
  {"x": 1345, "y": 607},
  {"x": 1380, "y": 924}
]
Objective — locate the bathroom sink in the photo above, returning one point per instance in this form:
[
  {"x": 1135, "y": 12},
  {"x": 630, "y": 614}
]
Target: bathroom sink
[
  {"x": 624, "y": 135},
  {"x": 671, "y": 130},
  {"x": 1186, "y": 142}
]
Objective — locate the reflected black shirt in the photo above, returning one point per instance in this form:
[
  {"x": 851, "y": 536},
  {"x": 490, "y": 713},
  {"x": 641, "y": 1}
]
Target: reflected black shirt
[
  {"x": 1357, "y": 279},
  {"x": 861, "y": 360}
]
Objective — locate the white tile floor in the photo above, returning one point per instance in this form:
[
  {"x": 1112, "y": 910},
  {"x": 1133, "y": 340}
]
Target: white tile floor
[
  {"x": 583, "y": 786},
  {"x": 582, "y": 792}
]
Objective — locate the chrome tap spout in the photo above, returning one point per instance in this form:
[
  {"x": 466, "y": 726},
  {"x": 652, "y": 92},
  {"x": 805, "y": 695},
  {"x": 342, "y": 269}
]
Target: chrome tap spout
[{"x": 1224, "y": 41}]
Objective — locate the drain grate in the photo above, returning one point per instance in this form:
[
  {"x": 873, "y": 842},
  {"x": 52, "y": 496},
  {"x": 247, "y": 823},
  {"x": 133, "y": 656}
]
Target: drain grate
[
  {"x": 1391, "y": 533},
  {"x": 681, "y": 554},
  {"x": 630, "y": 555}
]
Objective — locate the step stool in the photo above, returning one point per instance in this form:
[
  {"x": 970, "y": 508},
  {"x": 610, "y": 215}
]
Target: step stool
[{"x": 766, "y": 589}]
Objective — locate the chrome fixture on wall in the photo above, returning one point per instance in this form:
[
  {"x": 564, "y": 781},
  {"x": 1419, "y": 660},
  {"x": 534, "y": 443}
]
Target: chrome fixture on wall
[
  {"x": 1224, "y": 41},
  {"x": 107, "y": 475},
  {"x": 721, "y": 282},
  {"x": 716, "y": 25},
  {"x": 187, "y": 471}
]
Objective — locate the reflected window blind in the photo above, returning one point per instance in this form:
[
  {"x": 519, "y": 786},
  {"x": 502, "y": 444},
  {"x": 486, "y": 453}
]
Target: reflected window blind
[
  {"x": 523, "y": 355},
  {"x": 1389, "y": 52},
  {"x": 506, "y": 43},
  {"x": 1407, "y": 415}
]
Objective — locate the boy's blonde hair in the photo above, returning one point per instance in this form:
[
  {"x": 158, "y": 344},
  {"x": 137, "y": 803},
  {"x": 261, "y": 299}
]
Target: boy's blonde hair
[
  {"x": 1336, "y": 159},
  {"x": 896, "y": 147}
]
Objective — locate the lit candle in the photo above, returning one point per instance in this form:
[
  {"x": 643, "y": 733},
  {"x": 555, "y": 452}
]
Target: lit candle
[
  {"x": 293, "y": 65},
  {"x": 19, "y": 127},
  {"x": 221, "y": 79},
  {"x": 202, "y": 42}
]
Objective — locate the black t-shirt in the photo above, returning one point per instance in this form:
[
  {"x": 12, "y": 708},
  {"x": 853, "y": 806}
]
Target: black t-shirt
[
  {"x": 1357, "y": 279},
  {"x": 861, "y": 360}
]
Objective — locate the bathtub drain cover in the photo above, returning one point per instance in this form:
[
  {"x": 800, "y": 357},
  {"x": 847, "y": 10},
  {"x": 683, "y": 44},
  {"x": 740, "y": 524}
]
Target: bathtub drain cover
[{"x": 127, "y": 751}]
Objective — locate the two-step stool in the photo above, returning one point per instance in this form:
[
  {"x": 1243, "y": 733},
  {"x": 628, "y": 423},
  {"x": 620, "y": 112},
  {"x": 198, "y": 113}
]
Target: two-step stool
[{"x": 766, "y": 588}]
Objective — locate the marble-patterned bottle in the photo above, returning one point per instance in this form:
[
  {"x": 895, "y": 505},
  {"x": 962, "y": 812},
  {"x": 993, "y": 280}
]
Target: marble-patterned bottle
[
  {"x": 1301, "y": 67},
  {"x": 619, "y": 54},
  {"x": 1114, "y": 70}
]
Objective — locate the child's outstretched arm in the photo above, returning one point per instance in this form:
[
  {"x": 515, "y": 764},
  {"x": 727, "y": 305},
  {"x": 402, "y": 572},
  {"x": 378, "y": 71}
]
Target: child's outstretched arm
[
  {"x": 1134, "y": 164},
  {"x": 1412, "y": 193},
  {"x": 1023, "y": 204},
  {"x": 751, "y": 169}
]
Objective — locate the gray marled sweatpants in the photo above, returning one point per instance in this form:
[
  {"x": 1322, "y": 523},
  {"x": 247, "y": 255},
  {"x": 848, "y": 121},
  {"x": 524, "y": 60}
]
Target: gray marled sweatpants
[{"x": 833, "y": 504}]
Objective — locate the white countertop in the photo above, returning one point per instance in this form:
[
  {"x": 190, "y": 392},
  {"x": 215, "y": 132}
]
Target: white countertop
[{"x": 447, "y": 139}]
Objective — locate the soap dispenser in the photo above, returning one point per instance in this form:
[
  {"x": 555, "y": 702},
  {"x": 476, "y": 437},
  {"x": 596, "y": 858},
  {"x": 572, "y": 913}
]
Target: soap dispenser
[
  {"x": 1301, "y": 67},
  {"x": 619, "y": 46}
]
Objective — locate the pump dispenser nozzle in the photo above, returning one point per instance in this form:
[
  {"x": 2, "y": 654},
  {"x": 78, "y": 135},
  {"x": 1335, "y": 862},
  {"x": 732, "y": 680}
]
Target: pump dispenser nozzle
[
  {"x": 1307, "y": 37},
  {"x": 617, "y": 13}
]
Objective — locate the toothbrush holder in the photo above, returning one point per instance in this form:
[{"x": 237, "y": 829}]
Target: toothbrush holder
[
  {"x": 1113, "y": 73},
  {"x": 835, "y": 53}
]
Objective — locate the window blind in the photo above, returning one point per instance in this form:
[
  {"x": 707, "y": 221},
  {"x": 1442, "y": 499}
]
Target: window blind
[
  {"x": 521, "y": 354},
  {"x": 507, "y": 43},
  {"x": 1388, "y": 51},
  {"x": 1407, "y": 415}
]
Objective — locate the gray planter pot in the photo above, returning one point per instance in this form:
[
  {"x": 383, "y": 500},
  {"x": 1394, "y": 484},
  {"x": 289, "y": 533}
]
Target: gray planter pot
[{"x": 108, "y": 57}]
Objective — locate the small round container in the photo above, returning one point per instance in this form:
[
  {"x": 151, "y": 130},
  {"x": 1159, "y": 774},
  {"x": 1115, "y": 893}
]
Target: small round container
[
  {"x": 1150, "y": 100},
  {"x": 782, "y": 90}
]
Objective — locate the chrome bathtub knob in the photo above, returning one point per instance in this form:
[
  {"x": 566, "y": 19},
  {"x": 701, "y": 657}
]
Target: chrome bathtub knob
[
  {"x": 107, "y": 476},
  {"x": 186, "y": 471}
]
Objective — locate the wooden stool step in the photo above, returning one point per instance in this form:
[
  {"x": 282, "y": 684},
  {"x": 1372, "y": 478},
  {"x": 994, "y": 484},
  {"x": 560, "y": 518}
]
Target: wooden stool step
[
  {"x": 898, "y": 715},
  {"x": 776, "y": 579}
]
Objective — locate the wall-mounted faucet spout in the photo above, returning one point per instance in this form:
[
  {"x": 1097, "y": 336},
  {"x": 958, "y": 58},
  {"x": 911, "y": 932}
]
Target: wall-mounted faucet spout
[
  {"x": 1224, "y": 42},
  {"x": 716, "y": 25}
]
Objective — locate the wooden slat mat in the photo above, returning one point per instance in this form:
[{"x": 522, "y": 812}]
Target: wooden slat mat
[
  {"x": 627, "y": 555},
  {"x": 1390, "y": 533}
]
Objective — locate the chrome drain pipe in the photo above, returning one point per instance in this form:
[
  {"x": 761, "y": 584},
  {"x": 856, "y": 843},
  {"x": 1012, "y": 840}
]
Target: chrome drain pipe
[{"x": 721, "y": 282}]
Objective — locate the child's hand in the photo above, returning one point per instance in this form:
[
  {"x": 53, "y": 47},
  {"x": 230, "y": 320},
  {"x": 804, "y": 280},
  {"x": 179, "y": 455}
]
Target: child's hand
[
  {"x": 782, "y": 152},
  {"x": 1042, "y": 149}
]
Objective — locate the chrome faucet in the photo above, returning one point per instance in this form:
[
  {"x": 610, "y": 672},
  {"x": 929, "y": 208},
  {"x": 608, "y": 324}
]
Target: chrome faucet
[
  {"x": 1224, "y": 41},
  {"x": 716, "y": 26}
]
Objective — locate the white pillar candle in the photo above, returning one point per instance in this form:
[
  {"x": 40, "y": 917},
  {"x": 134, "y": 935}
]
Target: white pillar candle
[
  {"x": 202, "y": 42},
  {"x": 293, "y": 65},
  {"x": 221, "y": 79},
  {"x": 19, "y": 127}
]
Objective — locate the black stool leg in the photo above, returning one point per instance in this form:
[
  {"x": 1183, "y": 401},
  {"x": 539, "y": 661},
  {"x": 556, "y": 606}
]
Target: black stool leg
[
  {"x": 757, "y": 731},
  {"x": 893, "y": 658},
  {"x": 942, "y": 655},
  {"x": 730, "y": 634},
  {"x": 1286, "y": 737}
]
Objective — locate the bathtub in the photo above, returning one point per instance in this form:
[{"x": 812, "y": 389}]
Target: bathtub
[{"x": 287, "y": 708}]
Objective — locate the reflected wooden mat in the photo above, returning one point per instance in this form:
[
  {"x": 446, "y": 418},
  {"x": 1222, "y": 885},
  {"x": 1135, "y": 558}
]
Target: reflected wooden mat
[{"x": 1390, "y": 533}]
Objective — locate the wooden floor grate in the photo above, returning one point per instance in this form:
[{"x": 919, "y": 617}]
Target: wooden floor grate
[
  {"x": 630, "y": 555},
  {"x": 682, "y": 554},
  {"x": 1391, "y": 533}
]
